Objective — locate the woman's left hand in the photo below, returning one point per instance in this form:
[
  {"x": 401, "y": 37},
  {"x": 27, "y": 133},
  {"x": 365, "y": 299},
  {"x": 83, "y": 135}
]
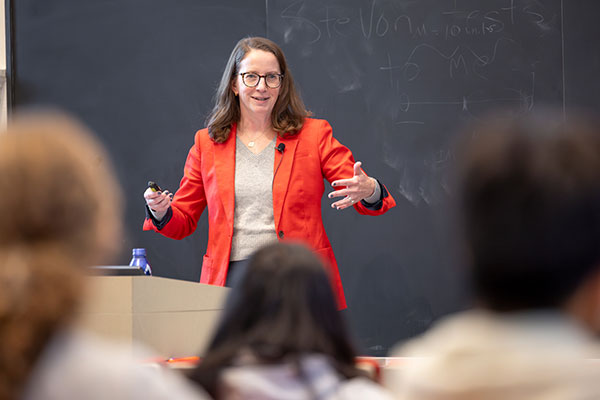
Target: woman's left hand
[{"x": 359, "y": 187}]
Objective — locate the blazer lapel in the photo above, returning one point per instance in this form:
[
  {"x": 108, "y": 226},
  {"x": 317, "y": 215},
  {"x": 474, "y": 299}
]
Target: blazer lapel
[
  {"x": 282, "y": 174},
  {"x": 225, "y": 172}
]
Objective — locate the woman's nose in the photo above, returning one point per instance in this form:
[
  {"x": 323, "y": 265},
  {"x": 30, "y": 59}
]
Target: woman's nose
[{"x": 262, "y": 83}]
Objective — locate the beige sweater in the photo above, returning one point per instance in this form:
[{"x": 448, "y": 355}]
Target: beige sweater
[{"x": 483, "y": 356}]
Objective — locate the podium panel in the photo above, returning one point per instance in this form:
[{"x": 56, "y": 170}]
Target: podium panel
[{"x": 174, "y": 318}]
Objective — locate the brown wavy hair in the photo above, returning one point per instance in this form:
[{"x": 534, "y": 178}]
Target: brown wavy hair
[
  {"x": 61, "y": 211},
  {"x": 289, "y": 111}
]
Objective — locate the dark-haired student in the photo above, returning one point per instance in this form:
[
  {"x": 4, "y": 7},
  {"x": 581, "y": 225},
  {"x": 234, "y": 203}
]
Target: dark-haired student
[
  {"x": 281, "y": 336},
  {"x": 259, "y": 168},
  {"x": 529, "y": 191}
]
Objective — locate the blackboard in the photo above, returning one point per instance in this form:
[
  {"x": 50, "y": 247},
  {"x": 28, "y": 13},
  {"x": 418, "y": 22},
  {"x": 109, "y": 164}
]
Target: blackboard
[{"x": 397, "y": 80}]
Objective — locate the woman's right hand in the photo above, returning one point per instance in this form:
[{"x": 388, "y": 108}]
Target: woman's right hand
[{"x": 158, "y": 202}]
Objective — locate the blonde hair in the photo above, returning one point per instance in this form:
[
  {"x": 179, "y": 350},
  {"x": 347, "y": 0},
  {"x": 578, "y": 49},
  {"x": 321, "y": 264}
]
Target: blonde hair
[{"x": 61, "y": 211}]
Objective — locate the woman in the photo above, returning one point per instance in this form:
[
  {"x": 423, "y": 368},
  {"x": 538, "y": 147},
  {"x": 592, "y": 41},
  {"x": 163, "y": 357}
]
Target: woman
[
  {"x": 259, "y": 167},
  {"x": 281, "y": 337},
  {"x": 67, "y": 208}
]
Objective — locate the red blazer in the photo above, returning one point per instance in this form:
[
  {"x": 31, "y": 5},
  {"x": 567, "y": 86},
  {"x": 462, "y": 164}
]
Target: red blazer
[{"x": 208, "y": 180}]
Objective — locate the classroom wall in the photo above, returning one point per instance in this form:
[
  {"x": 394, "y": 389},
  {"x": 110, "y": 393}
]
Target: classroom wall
[{"x": 2, "y": 67}]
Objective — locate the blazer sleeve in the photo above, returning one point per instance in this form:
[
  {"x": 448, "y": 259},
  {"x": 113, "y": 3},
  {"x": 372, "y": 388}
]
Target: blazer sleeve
[
  {"x": 188, "y": 202},
  {"x": 337, "y": 162}
]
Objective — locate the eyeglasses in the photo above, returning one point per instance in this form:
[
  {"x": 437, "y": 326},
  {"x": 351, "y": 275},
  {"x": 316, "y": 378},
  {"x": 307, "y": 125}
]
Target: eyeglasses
[{"x": 252, "y": 79}]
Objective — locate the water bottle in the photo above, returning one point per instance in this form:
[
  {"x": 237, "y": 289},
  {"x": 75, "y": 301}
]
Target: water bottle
[{"x": 139, "y": 260}]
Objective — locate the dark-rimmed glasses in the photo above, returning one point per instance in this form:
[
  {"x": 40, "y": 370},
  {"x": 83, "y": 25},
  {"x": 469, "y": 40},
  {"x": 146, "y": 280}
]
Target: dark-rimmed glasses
[{"x": 252, "y": 79}]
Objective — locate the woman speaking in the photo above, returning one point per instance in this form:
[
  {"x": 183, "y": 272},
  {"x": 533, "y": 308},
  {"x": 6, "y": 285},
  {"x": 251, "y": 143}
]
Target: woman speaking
[{"x": 259, "y": 167}]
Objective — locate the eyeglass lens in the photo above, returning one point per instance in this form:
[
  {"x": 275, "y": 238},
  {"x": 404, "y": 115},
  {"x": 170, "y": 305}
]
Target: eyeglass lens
[{"x": 272, "y": 80}]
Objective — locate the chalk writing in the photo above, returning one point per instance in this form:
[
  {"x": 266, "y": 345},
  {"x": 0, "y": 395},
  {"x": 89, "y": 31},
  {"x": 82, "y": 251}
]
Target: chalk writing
[
  {"x": 418, "y": 70},
  {"x": 377, "y": 21}
]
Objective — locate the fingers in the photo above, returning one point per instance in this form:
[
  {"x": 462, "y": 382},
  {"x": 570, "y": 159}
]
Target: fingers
[
  {"x": 169, "y": 194},
  {"x": 356, "y": 188},
  {"x": 357, "y": 170},
  {"x": 343, "y": 203},
  {"x": 343, "y": 182},
  {"x": 348, "y": 198},
  {"x": 346, "y": 182},
  {"x": 339, "y": 193},
  {"x": 150, "y": 194},
  {"x": 158, "y": 201}
]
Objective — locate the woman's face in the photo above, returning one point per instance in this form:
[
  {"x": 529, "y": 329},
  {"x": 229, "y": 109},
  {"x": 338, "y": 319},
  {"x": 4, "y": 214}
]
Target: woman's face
[{"x": 258, "y": 100}]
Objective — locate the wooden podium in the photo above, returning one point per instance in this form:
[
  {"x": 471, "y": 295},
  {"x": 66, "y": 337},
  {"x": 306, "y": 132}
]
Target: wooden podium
[{"x": 174, "y": 318}]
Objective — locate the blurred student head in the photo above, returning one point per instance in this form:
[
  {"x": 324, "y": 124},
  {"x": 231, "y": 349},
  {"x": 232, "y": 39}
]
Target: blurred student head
[
  {"x": 530, "y": 192},
  {"x": 282, "y": 308},
  {"x": 59, "y": 212}
]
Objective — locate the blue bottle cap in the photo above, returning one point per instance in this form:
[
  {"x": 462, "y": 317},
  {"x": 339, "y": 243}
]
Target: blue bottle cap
[{"x": 139, "y": 252}]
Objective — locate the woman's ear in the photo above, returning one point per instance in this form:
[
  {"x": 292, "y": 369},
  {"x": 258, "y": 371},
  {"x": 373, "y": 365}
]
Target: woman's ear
[{"x": 234, "y": 87}]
